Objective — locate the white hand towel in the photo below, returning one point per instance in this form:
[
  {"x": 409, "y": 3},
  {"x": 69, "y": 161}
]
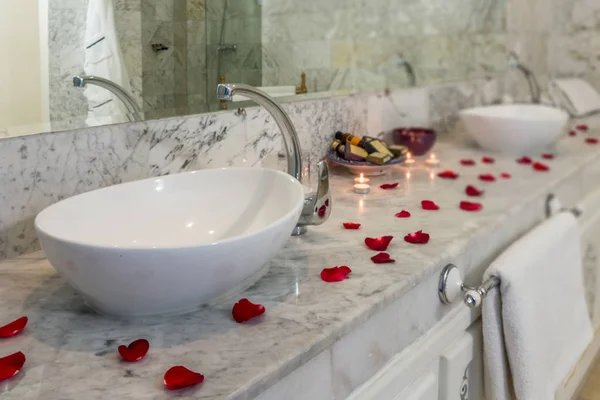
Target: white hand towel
[
  {"x": 577, "y": 96},
  {"x": 103, "y": 58},
  {"x": 536, "y": 324}
]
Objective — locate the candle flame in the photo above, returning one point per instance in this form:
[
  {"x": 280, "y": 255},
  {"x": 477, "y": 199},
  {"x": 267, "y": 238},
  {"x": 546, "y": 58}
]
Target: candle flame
[
  {"x": 362, "y": 178},
  {"x": 433, "y": 156},
  {"x": 408, "y": 155}
]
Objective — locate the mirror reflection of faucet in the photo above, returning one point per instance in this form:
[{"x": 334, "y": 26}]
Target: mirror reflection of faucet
[
  {"x": 134, "y": 110},
  {"x": 404, "y": 63}
]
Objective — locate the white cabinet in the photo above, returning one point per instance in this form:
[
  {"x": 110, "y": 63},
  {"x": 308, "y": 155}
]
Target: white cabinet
[{"x": 445, "y": 364}]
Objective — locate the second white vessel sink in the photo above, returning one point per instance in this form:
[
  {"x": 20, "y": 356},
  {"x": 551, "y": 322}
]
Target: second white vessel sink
[
  {"x": 167, "y": 245},
  {"x": 516, "y": 129}
]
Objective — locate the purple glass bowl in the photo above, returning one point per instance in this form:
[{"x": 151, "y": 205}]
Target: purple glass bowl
[{"x": 418, "y": 140}]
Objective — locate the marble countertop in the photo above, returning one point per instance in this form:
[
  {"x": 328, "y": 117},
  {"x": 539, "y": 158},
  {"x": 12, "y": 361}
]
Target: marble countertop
[{"x": 71, "y": 352}]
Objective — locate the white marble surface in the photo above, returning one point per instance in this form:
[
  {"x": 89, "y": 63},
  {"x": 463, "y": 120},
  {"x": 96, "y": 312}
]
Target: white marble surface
[{"x": 71, "y": 351}]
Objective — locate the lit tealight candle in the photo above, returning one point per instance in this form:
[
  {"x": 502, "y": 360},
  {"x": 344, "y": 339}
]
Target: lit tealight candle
[
  {"x": 361, "y": 179},
  {"x": 362, "y": 188},
  {"x": 409, "y": 159},
  {"x": 433, "y": 160}
]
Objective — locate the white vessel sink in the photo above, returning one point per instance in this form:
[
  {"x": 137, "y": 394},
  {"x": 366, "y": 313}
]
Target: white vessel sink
[
  {"x": 516, "y": 129},
  {"x": 167, "y": 245}
]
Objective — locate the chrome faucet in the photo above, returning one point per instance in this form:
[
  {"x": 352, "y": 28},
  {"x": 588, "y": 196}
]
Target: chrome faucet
[
  {"x": 134, "y": 110},
  {"x": 317, "y": 206},
  {"x": 404, "y": 63},
  {"x": 534, "y": 87}
]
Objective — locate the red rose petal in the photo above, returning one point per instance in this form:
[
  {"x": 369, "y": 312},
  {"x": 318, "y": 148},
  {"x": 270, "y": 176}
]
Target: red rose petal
[
  {"x": 488, "y": 160},
  {"x": 244, "y": 310},
  {"x": 180, "y": 377},
  {"x": 487, "y": 177},
  {"x": 505, "y": 175},
  {"x": 382, "y": 258},
  {"x": 386, "y": 186},
  {"x": 591, "y": 140},
  {"x": 322, "y": 211},
  {"x": 378, "y": 244},
  {"x": 524, "y": 160},
  {"x": 13, "y": 328},
  {"x": 582, "y": 127},
  {"x": 327, "y": 203},
  {"x": 11, "y": 365},
  {"x": 572, "y": 133},
  {"x": 135, "y": 351},
  {"x": 467, "y": 162},
  {"x": 548, "y": 156},
  {"x": 417, "y": 238},
  {"x": 448, "y": 175},
  {"x": 470, "y": 206},
  {"x": 403, "y": 214},
  {"x": 429, "y": 205},
  {"x": 538, "y": 166},
  {"x": 335, "y": 274},
  {"x": 351, "y": 225},
  {"x": 472, "y": 191}
]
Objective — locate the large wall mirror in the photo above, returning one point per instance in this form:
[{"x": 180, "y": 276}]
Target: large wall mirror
[{"x": 70, "y": 64}]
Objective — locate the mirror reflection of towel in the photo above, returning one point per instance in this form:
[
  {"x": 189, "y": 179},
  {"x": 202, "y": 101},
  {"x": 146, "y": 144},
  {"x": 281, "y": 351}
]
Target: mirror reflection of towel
[{"x": 103, "y": 58}]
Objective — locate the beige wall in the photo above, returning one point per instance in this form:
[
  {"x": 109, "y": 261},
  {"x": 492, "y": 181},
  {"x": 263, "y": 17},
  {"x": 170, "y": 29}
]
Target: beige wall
[{"x": 20, "y": 71}]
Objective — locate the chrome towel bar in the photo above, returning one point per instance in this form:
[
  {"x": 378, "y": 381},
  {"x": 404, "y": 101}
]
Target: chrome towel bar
[{"x": 451, "y": 285}]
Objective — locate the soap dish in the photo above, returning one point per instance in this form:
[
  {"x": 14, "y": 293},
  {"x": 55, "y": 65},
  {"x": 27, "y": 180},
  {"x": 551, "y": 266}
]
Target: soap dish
[{"x": 363, "y": 167}]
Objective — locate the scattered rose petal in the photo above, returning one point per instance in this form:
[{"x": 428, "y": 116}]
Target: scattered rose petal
[
  {"x": 403, "y": 214},
  {"x": 548, "y": 156},
  {"x": 135, "y": 351},
  {"x": 487, "y": 177},
  {"x": 13, "y": 328},
  {"x": 180, "y": 377},
  {"x": 322, "y": 211},
  {"x": 470, "y": 206},
  {"x": 244, "y": 310},
  {"x": 582, "y": 127},
  {"x": 429, "y": 205},
  {"x": 488, "y": 160},
  {"x": 418, "y": 237},
  {"x": 472, "y": 191},
  {"x": 382, "y": 258},
  {"x": 505, "y": 175},
  {"x": 591, "y": 140},
  {"x": 378, "y": 244},
  {"x": 386, "y": 186},
  {"x": 335, "y": 274},
  {"x": 524, "y": 160},
  {"x": 467, "y": 162},
  {"x": 11, "y": 365},
  {"x": 448, "y": 175},
  {"x": 572, "y": 133},
  {"x": 351, "y": 225},
  {"x": 538, "y": 166}
]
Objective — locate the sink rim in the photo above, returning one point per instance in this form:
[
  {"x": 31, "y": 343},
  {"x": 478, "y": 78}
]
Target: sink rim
[
  {"x": 143, "y": 248},
  {"x": 550, "y": 113}
]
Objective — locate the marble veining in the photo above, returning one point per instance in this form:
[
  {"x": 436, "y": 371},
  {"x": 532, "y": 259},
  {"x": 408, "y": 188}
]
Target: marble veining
[{"x": 65, "y": 342}]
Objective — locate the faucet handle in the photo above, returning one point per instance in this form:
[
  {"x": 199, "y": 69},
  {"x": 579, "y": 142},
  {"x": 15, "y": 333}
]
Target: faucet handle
[{"x": 317, "y": 206}]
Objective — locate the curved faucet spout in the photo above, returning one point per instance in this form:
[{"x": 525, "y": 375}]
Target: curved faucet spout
[
  {"x": 534, "y": 86},
  {"x": 132, "y": 106},
  {"x": 317, "y": 206},
  {"x": 290, "y": 137}
]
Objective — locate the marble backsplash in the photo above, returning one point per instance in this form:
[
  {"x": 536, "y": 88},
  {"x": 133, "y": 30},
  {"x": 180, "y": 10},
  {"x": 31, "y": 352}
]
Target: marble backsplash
[{"x": 39, "y": 170}]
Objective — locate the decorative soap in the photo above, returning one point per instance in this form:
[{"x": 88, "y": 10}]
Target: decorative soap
[
  {"x": 378, "y": 158},
  {"x": 354, "y": 153},
  {"x": 398, "y": 151},
  {"x": 348, "y": 138},
  {"x": 338, "y": 147},
  {"x": 377, "y": 146}
]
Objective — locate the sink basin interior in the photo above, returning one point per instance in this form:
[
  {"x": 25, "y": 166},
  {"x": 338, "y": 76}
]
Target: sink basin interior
[{"x": 180, "y": 211}]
